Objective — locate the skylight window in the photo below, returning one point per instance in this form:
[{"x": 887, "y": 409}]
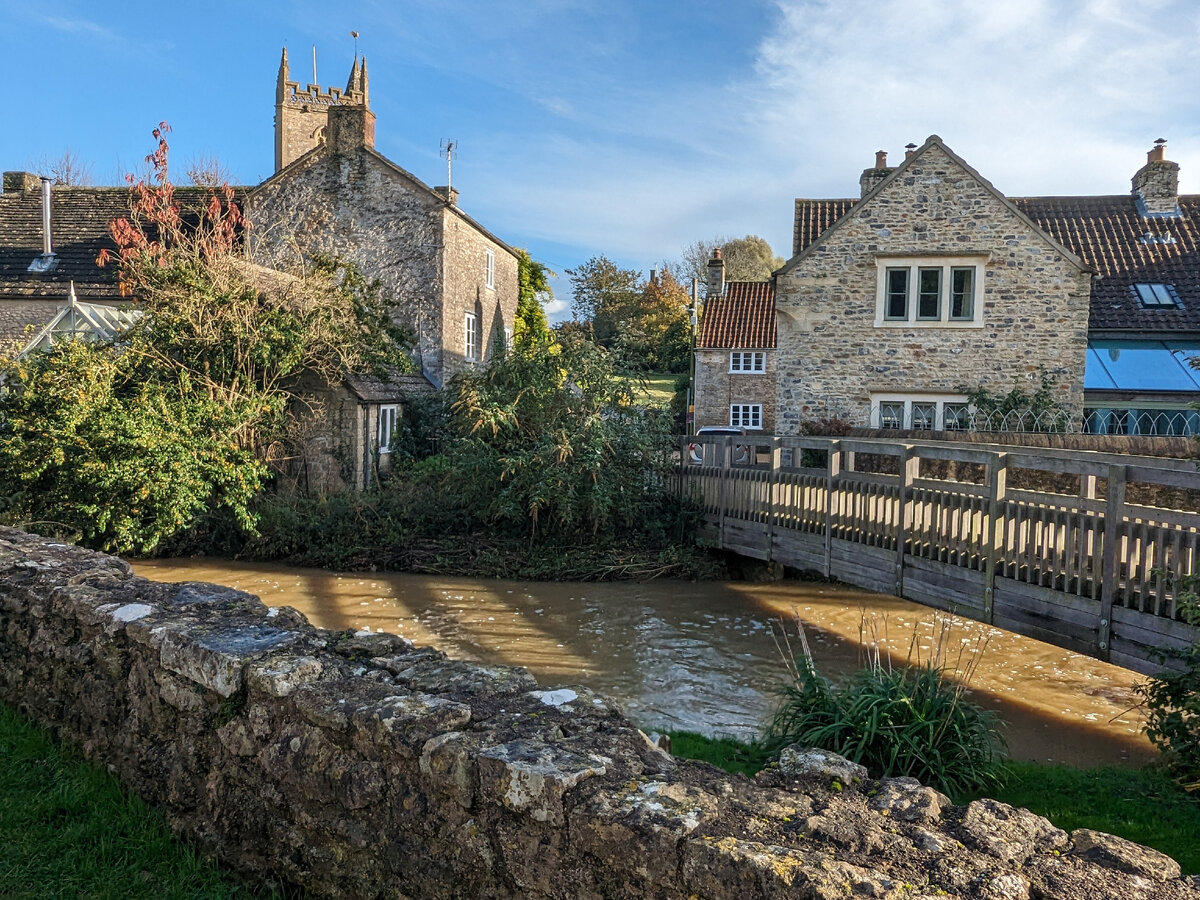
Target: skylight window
[{"x": 1155, "y": 296}]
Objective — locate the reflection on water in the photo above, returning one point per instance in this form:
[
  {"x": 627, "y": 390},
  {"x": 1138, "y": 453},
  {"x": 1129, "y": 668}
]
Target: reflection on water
[{"x": 702, "y": 656}]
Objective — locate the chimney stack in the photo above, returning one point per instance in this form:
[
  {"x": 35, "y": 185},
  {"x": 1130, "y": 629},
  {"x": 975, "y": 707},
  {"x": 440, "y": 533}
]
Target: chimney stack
[
  {"x": 350, "y": 128},
  {"x": 909, "y": 150},
  {"x": 872, "y": 177},
  {"x": 715, "y": 286},
  {"x": 449, "y": 194},
  {"x": 1156, "y": 184},
  {"x": 20, "y": 182}
]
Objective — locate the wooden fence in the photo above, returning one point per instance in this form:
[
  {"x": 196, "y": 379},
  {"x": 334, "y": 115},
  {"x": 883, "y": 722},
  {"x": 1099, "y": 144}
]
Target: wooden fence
[{"x": 1088, "y": 570}]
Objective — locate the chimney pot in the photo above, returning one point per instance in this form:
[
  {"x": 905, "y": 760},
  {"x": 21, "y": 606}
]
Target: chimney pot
[
  {"x": 909, "y": 150},
  {"x": 881, "y": 159}
]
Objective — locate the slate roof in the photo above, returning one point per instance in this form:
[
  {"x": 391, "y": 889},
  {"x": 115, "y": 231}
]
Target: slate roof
[
  {"x": 79, "y": 229},
  {"x": 391, "y": 389},
  {"x": 1111, "y": 237},
  {"x": 744, "y": 316}
]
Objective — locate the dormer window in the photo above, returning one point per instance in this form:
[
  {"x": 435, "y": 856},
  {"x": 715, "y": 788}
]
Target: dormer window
[{"x": 1157, "y": 296}]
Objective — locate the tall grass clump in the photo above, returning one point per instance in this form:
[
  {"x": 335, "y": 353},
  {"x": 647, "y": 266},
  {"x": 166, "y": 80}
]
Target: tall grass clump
[{"x": 910, "y": 719}]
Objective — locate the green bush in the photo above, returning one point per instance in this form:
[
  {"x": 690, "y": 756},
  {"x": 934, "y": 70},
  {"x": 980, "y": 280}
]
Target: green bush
[
  {"x": 1172, "y": 698},
  {"x": 895, "y": 721}
]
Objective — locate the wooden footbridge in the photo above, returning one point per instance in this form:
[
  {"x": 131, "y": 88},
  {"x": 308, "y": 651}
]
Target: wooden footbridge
[{"x": 1080, "y": 549}]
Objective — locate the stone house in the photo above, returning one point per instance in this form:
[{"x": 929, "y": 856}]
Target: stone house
[
  {"x": 447, "y": 277},
  {"x": 932, "y": 283},
  {"x": 735, "y": 353}
]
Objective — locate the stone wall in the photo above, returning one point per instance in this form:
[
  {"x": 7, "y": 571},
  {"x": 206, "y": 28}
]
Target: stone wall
[
  {"x": 464, "y": 266},
  {"x": 357, "y": 207},
  {"x": 21, "y": 320},
  {"x": 356, "y": 765},
  {"x": 717, "y": 388},
  {"x": 832, "y": 356}
]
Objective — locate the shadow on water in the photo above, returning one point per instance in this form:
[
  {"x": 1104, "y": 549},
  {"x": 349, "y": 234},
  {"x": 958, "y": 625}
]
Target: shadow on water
[{"x": 699, "y": 656}]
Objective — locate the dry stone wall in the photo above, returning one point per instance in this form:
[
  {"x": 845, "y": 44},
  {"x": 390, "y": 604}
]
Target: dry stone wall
[{"x": 357, "y": 765}]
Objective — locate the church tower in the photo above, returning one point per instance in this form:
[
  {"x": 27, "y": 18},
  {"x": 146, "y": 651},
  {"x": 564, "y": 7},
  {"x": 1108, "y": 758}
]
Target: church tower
[{"x": 302, "y": 116}]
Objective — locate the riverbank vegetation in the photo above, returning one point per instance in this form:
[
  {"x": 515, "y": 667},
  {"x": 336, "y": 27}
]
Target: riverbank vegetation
[
  {"x": 67, "y": 829},
  {"x": 1142, "y": 805},
  {"x": 547, "y": 468}
]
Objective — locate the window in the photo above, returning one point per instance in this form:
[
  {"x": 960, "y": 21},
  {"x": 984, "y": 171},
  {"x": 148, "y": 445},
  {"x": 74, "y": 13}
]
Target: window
[
  {"x": 387, "y": 428},
  {"x": 491, "y": 269},
  {"x": 1156, "y": 295},
  {"x": 470, "y": 338},
  {"x": 746, "y": 415},
  {"x": 920, "y": 412},
  {"x": 928, "y": 292},
  {"x": 747, "y": 361}
]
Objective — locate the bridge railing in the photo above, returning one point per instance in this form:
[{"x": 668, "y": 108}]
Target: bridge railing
[{"x": 1082, "y": 549}]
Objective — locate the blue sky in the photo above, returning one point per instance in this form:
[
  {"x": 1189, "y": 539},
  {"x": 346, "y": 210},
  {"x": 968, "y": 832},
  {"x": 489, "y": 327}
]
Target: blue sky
[{"x": 621, "y": 127}]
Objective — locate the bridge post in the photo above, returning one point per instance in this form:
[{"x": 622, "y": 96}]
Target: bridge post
[
  {"x": 833, "y": 475},
  {"x": 1114, "y": 512},
  {"x": 722, "y": 486},
  {"x": 994, "y": 528},
  {"x": 772, "y": 486},
  {"x": 910, "y": 466}
]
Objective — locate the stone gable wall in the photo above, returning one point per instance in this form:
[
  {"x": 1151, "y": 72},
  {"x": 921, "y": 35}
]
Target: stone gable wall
[
  {"x": 356, "y": 765},
  {"x": 355, "y": 207},
  {"x": 21, "y": 320},
  {"x": 717, "y": 388},
  {"x": 465, "y": 275},
  {"x": 831, "y": 357}
]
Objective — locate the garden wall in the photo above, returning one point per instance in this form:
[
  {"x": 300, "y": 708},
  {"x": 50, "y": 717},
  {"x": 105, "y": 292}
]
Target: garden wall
[{"x": 356, "y": 765}]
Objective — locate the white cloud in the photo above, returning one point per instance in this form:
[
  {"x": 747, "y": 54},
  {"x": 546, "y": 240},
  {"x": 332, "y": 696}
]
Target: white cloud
[{"x": 1041, "y": 97}]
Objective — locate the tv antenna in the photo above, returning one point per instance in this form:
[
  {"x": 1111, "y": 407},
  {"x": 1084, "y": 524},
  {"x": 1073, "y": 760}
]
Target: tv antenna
[{"x": 449, "y": 147}]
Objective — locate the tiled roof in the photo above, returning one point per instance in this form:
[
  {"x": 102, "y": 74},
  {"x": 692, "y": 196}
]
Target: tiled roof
[
  {"x": 813, "y": 217},
  {"x": 744, "y": 316},
  {"x": 1126, "y": 249},
  {"x": 1111, "y": 237},
  {"x": 79, "y": 228},
  {"x": 390, "y": 389}
]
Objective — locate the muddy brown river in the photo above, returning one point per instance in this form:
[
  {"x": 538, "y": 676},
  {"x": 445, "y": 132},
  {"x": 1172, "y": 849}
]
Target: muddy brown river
[{"x": 703, "y": 657}]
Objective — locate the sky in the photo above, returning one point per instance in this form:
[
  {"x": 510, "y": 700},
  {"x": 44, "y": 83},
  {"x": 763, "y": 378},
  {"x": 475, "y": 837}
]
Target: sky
[{"x": 629, "y": 128}]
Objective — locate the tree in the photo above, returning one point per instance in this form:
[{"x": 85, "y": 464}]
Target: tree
[
  {"x": 749, "y": 258},
  {"x": 124, "y": 443},
  {"x": 602, "y": 294},
  {"x": 533, "y": 291},
  {"x": 655, "y": 335},
  {"x": 67, "y": 169},
  {"x": 206, "y": 170},
  {"x": 549, "y": 443}
]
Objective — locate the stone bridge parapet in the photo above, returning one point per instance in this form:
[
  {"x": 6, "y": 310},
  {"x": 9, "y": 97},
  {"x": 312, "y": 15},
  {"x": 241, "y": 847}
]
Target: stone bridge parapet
[{"x": 356, "y": 765}]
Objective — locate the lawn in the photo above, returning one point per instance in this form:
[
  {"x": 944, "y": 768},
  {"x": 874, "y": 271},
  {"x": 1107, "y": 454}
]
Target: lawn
[
  {"x": 67, "y": 829},
  {"x": 1141, "y": 805},
  {"x": 658, "y": 388}
]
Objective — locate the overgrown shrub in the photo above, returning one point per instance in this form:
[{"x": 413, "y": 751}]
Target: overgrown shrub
[
  {"x": 1172, "y": 699},
  {"x": 895, "y": 720}
]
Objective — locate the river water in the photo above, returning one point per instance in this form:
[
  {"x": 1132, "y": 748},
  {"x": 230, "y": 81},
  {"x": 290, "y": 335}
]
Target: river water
[{"x": 706, "y": 657}]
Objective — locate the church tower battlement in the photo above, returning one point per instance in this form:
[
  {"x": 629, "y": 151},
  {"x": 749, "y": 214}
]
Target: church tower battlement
[{"x": 302, "y": 114}]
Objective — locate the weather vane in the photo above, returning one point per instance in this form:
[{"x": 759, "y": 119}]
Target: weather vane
[{"x": 354, "y": 34}]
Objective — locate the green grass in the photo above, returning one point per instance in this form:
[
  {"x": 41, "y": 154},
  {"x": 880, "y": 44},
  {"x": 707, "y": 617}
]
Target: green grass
[
  {"x": 1141, "y": 805},
  {"x": 68, "y": 830},
  {"x": 659, "y": 388}
]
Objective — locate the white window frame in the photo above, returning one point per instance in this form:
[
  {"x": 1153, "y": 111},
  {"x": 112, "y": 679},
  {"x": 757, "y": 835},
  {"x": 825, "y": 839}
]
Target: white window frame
[
  {"x": 470, "y": 338},
  {"x": 388, "y": 416},
  {"x": 746, "y": 415},
  {"x": 947, "y": 266},
  {"x": 910, "y": 401},
  {"x": 747, "y": 362},
  {"x": 490, "y": 269}
]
